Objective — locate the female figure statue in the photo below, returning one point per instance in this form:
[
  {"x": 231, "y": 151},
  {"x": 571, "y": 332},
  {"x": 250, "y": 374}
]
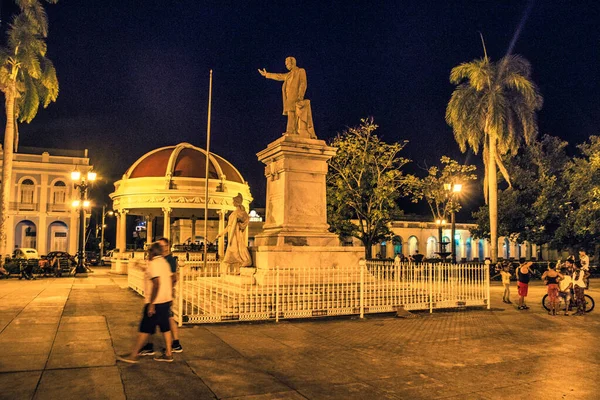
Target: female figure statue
[{"x": 237, "y": 254}]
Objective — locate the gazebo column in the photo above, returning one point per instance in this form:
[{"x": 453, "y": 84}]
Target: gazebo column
[
  {"x": 194, "y": 219},
  {"x": 119, "y": 266},
  {"x": 149, "y": 230},
  {"x": 167, "y": 222},
  {"x": 221, "y": 248}
]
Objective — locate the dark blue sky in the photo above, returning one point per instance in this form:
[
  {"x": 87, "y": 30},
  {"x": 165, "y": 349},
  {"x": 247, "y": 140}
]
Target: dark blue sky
[{"x": 134, "y": 75}]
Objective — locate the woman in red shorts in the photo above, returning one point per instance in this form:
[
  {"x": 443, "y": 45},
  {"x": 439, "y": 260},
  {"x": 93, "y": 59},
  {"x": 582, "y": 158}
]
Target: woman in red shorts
[
  {"x": 523, "y": 275},
  {"x": 551, "y": 277}
]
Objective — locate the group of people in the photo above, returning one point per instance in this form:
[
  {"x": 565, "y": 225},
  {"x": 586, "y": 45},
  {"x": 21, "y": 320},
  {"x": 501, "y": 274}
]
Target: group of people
[
  {"x": 563, "y": 282},
  {"x": 160, "y": 277}
]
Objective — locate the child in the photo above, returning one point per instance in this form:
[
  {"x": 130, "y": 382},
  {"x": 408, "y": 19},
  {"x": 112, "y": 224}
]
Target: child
[{"x": 505, "y": 273}]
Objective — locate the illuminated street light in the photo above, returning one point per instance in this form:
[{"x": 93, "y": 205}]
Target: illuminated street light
[
  {"x": 453, "y": 189},
  {"x": 104, "y": 214},
  {"x": 82, "y": 183}
]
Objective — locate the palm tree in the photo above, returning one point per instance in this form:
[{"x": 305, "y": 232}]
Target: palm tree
[
  {"x": 494, "y": 108},
  {"x": 27, "y": 79}
]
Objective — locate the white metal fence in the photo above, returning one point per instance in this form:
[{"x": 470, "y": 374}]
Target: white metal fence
[{"x": 204, "y": 295}]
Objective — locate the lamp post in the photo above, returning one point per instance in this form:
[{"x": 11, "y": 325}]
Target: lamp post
[
  {"x": 453, "y": 189},
  {"x": 81, "y": 182},
  {"x": 104, "y": 214}
]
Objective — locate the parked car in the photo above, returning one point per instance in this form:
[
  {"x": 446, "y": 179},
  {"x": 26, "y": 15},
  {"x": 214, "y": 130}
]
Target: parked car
[
  {"x": 106, "y": 258},
  {"x": 92, "y": 258},
  {"x": 56, "y": 262},
  {"x": 25, "y": 253}
]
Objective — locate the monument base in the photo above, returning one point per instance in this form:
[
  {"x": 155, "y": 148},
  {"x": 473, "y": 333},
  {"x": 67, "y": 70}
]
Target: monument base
[{"x": 295, "y": 261}]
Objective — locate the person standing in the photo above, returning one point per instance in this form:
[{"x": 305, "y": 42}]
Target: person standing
[
  {"x": 579, "y": 277},
  {"x": 158, "y": 289},
  {"x": 551, "y": 277},
  {"x": 148, "y": 349},
  {"x": 565, "y": 285},
  {"x": 584, "y": 259},
  {"x": 523, "y": 276},
  {"x": 505, "y": 274}
]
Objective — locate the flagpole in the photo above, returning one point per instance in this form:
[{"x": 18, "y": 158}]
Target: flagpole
[{"x": 207, "y": 168}]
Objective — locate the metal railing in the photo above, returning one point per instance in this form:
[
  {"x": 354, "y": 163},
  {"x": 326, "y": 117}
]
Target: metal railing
[
  {"x": 205, "y": 295},
  {"x": 18, "y": 206}
]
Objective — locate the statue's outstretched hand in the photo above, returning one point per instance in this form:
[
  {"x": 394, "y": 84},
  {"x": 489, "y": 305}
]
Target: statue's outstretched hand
[{"x": 263, "y": 72}]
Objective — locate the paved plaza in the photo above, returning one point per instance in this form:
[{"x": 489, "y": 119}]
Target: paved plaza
[{"x": 59, "y": 337}]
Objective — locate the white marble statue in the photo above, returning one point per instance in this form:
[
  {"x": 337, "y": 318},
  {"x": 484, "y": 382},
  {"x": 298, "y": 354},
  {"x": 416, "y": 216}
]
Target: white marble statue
[
  {"x": 237, "y": 254},
  {"x": 295, "y": 106}
]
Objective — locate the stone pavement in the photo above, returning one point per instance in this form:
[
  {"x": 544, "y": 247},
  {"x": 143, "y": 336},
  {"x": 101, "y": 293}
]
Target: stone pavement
[{"x": 58, "y": 338}]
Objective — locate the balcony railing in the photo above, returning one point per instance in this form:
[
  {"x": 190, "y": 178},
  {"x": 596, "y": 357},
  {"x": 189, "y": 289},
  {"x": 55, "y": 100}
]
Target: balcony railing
[
  {"x": 51, "y": 207},
  {"x": 16, "y": 206}
]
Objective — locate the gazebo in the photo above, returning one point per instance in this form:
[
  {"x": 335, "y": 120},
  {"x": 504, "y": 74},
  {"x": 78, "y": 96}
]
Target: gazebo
[{"x": 168, "y": 183}]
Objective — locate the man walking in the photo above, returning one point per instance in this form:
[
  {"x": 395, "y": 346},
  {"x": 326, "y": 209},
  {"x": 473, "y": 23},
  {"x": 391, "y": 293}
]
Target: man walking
[
  {"x": 158, "y": 291},
  {"x": 148, "y": 349}
]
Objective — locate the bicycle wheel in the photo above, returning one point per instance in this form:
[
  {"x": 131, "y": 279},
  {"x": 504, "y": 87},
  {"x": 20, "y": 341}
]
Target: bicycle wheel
[
  {"x": 546, "y": 302},
  {"x": 589, "y": 303}
]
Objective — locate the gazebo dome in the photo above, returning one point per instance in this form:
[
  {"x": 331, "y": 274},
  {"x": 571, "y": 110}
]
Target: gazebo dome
[
  {"x": 172, "y": 180},
  {"x": 185, "y": 161}
]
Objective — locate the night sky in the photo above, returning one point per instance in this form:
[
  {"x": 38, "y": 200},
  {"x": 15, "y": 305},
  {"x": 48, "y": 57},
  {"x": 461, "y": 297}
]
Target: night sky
[{"x": 134, "y": 74}]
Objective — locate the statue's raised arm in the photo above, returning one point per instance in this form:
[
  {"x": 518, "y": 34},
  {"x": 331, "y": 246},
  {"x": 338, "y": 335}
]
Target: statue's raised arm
[{"x": 295, "y": 106}]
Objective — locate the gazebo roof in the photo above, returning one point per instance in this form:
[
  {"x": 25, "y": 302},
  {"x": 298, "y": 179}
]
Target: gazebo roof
[
  {"x": 173, "y": 178},
  {"x": 182, "y": 160}
]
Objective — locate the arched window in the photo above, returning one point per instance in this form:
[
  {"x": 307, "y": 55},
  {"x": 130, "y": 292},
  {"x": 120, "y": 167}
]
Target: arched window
[
  {"x": 27, "y": 188},
  {"x": 397, "y": 245},
  {"x": 59, "y": 194},
  {"x": 413, "y": 245},
  {"x": 432, "y": 247}
]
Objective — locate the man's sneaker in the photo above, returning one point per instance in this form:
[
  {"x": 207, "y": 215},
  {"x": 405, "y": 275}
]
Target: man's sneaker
[
  {"x": 164, "y": 357},
  {"x": 147, "y": 350},
  {"x": 126, "y": 358},
  {"x": 177, "y": 348}
]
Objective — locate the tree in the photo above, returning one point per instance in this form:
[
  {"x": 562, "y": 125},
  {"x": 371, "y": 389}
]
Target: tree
[
  {"x": 433, "y": 188},
  {"x": 581, "y": 213},
  {"x": 364, "y": 183},
  {"x": 532, "y": 209},
  {"x": 493, "y": 108},
  {"x": 27, "y": 79}
]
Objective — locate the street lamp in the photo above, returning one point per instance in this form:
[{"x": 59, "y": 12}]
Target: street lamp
[
  {"x": 104, "y": 214},
  {"x": 453, "y": 189},
  {"x": 81, "y": 182}
]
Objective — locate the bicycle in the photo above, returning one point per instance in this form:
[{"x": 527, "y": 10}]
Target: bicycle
[{"x": 589, "y": 303}]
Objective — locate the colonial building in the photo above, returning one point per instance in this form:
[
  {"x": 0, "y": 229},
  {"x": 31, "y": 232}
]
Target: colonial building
[{"x": 41, "y": 215}]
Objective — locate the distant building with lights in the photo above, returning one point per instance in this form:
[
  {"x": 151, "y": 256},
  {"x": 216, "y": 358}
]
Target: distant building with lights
[{"x": 40, "y": 212}]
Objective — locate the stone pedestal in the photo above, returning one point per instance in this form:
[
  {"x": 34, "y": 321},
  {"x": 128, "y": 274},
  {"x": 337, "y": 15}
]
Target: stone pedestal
[
  {"x": 296, "y": 206},
  {"x": 295, "y": 234}
]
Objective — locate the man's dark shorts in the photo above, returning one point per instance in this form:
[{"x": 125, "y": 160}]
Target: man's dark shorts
[{"x": 160, "y": 319}]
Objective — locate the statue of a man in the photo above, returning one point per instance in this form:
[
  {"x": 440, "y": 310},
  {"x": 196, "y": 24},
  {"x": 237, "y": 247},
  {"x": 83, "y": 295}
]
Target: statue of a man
[{"x": 295, "y": 106}]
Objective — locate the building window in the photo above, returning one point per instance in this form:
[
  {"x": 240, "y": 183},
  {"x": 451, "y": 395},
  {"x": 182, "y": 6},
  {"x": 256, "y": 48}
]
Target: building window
[
  {"x": 27, "y": 188},
  {"x": 60, "y": 193}
]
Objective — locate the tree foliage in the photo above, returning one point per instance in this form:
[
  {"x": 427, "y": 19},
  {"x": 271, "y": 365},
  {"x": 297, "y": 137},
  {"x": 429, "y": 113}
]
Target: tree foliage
[
  {"x": 493, "y": 110},
  {"x": 554, "y": 199},
  {"x": 363, "y": 184},
  {"x": 432, "y": 187},
  {"x": 27, "y": 80}
]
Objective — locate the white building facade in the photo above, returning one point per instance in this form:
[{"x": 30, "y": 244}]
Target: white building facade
[{"x": 40, "y": 211}]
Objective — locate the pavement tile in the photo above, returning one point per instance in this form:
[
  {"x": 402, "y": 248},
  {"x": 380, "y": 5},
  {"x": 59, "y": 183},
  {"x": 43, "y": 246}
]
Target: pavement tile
[
  {"x": 82, "y": 326},
  {"x": 81, "y": 383},
  {"x": 83, "y": 319},
  {"x": 289, "y": 395},
  {"x": 27, "y": 348},
  {"x": 19, "y": 385},
  {"x": 235, "y": 377},
  {"x": 81, "y": 359},
  {"x": 29, "y": 362},
  {"x": 354, "y": 390},
  {"x": 74, "y": 336},
  {"x": 154, "y": 380},
  {"x": 81, "y": 346}
]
